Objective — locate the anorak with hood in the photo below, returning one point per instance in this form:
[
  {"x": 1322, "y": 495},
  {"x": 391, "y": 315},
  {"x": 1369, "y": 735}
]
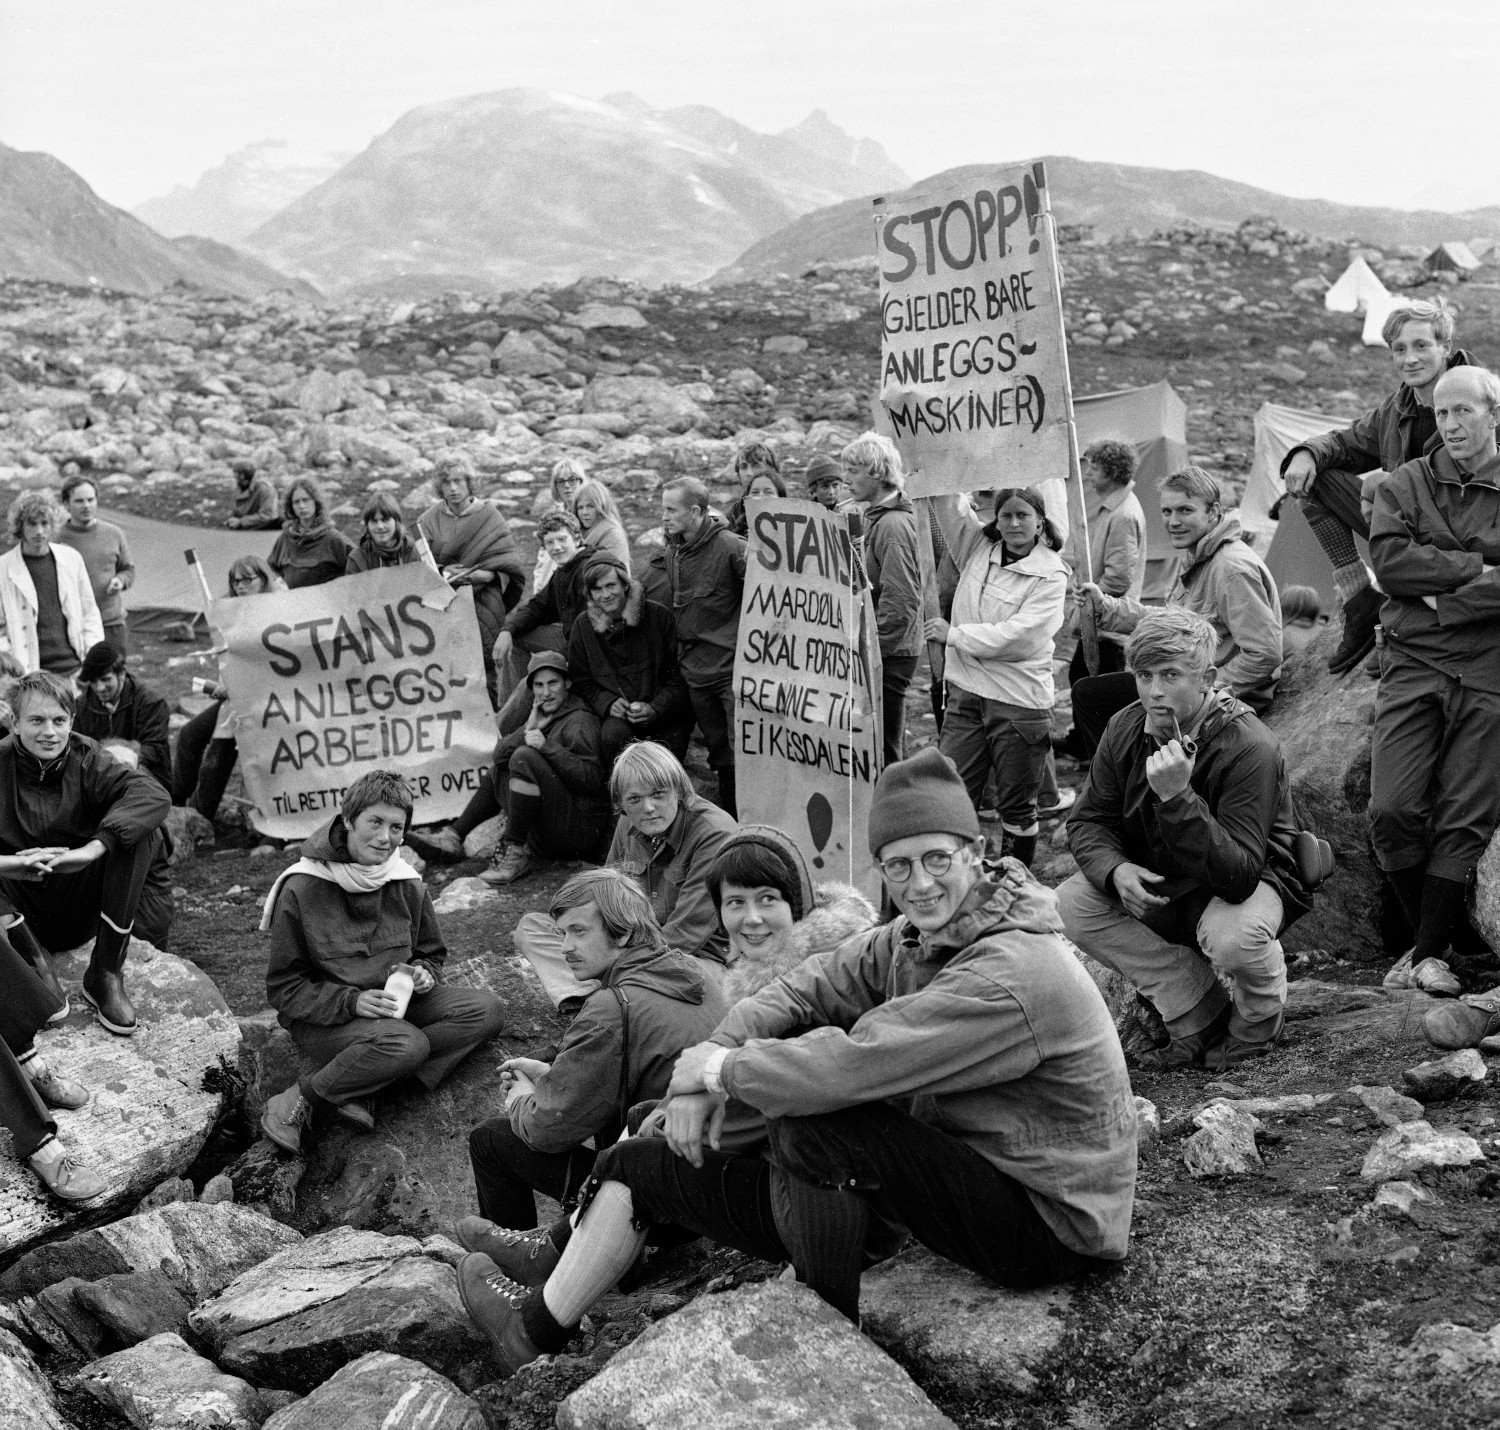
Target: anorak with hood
[
  {"x": 558, "y": 602},
  {"x": 328, "y": 946},
  {"x": 890, "y": 560},
  {"x": 630, "y": 657},
  {"x": 706, "y": 576},
  {"x": 571, "y": 747},
  {"x": 1227, "y": 584},
  {"x": 989, "y": 1029},
  {"x": 310, "y": 555},
  {"x": 619, "y": 1048},
  {"x": 1231, "y": 828}
]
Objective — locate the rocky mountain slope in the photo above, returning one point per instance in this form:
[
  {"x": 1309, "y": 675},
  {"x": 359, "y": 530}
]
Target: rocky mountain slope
[
  {"x": 1116, "y": 199},
  {"x": 239, "y": 195},
  {"x": 54, "y": 227},
  {"x": 526, "y": 186}
]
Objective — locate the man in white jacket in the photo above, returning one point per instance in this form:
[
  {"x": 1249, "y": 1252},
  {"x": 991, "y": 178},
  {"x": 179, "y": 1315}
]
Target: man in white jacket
[{"x": 46, "y": 599}]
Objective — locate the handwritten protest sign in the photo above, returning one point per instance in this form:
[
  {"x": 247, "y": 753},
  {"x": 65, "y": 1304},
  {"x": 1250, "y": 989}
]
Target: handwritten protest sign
[
  {"x": 376, "y": 671},
  {"x": 974, "y": 372},
  {"x": 807, "y": 736}
]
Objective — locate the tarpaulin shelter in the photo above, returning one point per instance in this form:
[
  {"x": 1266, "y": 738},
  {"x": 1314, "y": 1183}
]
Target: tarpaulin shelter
[
  {"x": 1154, "y": 421},
  {"x": 1452, "y": 257},
  {"x": 1356, "y": 285}
]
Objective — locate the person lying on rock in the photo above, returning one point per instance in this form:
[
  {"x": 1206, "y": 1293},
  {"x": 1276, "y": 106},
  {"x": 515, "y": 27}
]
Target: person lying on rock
[
  {"x": 82, "y": 850},
  {"x": 666, "y": 838},
  {"x": 775, "y": 919},
  {"x": 548, "y": 777},
  {"x": 1329, "y": 472},
  {"x": 1434, "y": 776},
  {"x": 648, "y": 1004},
  {"x": 954, "y": 1075},
  {"x": 346, "y": 916},
  {"x": 1184, "y": 837}
]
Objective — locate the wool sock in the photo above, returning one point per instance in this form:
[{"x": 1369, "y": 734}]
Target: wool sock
[
  {"x": 603, "y": 1247},
  {"x": 1337, "y": 541},
  {"x": 1442, "y": 907},
  {"x": 824, "y": 1229}
]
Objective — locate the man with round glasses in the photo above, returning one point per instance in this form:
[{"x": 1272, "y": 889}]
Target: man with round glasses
[{"x": 953, "y": 1076}]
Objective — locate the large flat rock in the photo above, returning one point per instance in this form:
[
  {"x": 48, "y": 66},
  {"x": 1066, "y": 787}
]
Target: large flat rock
[
  {"x": 1485, "y": 915},
  {"x": 960, "y": 1329},
  {"x": 164, "y": 1384},
  {"x": 150, "y": 1112},
  {"x": 298, "y": 1317},
  {"x": 26, "y": 1401},
  {"x": 380, "y": 1391},
  {"x": 763, "y": 1356}
]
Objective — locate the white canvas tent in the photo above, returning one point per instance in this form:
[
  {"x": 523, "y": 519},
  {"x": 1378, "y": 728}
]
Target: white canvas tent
[
  {"x": 1453, "y": 257},
  {"x": 1377, "y": 310},
  {"x": 1356, "y": 285}
]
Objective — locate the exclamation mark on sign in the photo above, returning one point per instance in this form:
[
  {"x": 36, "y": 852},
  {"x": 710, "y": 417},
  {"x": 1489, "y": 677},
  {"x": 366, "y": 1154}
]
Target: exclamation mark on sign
[{"x": 1031, "y": 188}]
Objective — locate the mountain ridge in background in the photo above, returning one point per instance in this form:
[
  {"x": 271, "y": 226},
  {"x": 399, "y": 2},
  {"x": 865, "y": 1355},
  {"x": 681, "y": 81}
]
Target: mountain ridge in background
[
  {"x": 54, "y": 227},
  {"x": 522, "y": 186},
  {"x": 1116, "y": 199}
]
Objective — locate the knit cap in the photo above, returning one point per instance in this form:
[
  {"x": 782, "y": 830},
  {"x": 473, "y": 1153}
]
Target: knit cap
[
  {"x": 597, "y": 563},
  {"x": 822, "y": 469},
  {"x": 102, "y": 659},
  {"x": 922, "y": 795}
]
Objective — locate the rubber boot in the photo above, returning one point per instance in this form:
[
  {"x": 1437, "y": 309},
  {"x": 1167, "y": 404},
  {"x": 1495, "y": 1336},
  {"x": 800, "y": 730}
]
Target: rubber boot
[
  {"x": 104, "y": 980},
  {"x": 26, "y": 943},
  {"x": 1018, "y": 846}
]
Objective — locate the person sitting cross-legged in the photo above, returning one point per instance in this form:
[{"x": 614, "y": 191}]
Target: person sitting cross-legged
[
  {"x": 1184, "y": 837},
  {"x": 648, "y": 1005},
  {"x": 347, "y": 914},
  {"x": 548, "y": 777},
  {"x": 954, "y": 1075}
]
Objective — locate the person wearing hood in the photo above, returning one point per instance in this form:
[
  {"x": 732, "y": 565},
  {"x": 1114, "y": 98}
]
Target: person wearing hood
[
  {"x": 1184, "y": 837},
  {"x": 118, "y": 707},
  {"x": 346, "y": 916},
  {"x": 775, "y": 918},
  {"x": 705, "y": 573},
  {"x": 889, "y": 548},
  {"x": 622, "y": 655},
  {"x": 1218, "y": 576},
  {"x": 648, "y": 1004},
  {"x": 1007, "y": 608},
  {"x": 548, "y": 777},
  {"x": 953, "y": 1075},
  {"x": 386, "y": 541},
  {"x": 311, "y": 550},
  {"x": 1335, "y": 475}
]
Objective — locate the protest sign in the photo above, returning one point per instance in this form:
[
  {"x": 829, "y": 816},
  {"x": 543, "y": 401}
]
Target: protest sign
[
  {"x": 376, "y": 671},
  {"x": 974, "y": 370},
  {"x": 807, "y": 737}
]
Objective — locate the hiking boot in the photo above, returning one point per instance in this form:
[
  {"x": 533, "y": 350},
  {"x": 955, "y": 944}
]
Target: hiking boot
[
  {"x": 1361, "y": 619},
  {"x": 55, "y": 1091},
  {"x": 1467, "y": 1023},
  {"x": 358, "y": 1113},
  {"x": 1185, "y": 1052},
  {"x": 511, "y": 863},
  {"x": 1236, "y": 1050},
  {"x": 494, "y": 1303},
  {"x": 527, "y": 1257},
  {"x": 443, "y": 844},
  {"x": 54, "y": 1164},
  {"x": 285, "y": 1116}
]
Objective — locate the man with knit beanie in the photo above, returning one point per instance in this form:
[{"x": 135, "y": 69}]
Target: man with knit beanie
[{"x": 953, "y": 1076}]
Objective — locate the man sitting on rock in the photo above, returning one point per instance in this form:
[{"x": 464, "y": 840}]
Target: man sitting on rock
[
  {"x": 346, "y": 916},
  {"x": 1184, "y": 837},
  {"x": 954, "y": 1074},
  {"x": 622, "y": 655},
  {"x": 648, "y": 1005},
  {"x": 87, "y": 830},
  {"x": 1434, "y": 775},
  {"x": 117, "y": 708},
  {"x": 256, "y": 507},
  {"x": 549, "y": 777},
  {"x": 1326, "y": 472}
]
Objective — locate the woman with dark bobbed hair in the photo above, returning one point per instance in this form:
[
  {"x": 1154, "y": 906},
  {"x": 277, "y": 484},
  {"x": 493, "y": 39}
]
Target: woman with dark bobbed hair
[{"x": 386, "y": 541}]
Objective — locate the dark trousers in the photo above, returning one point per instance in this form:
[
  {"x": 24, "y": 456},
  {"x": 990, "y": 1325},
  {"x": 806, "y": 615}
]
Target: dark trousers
[
  {"x": 118, "y": 637},
  {"x": 358, "y": 1058},
  {"x": 24, "y": 1009},
  {"x": 507, "y": 1171},
  {"x": 673, "y": 730},
  {"x": 555, "y": 822},
  {"x": 1096, "y": 700},
  {"x": 1335, "y": 494},
  {"x": 202, "y": 765},
  {"x": 981, "y": 736},
  {"x": 896, "y": 672},
  {"x": 836, "y": 1186},
  {"x": 713, "y": 708},
  {"x": 1111, "y": 660},
  {"x": 129, "y": 885}
]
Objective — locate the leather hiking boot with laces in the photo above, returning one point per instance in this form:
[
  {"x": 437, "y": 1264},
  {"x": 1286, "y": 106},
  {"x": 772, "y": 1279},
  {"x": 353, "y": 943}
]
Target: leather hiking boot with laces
[
  {"x": 54, "y": 1090},
  {"x": 526, "y": 1257},
  {"x": 1188, "y": 1052},
  {"x": 494, "y": 1304},
  {"x": 1235, "y": 1050},
  {"x": 1361, "y": 619},
  {"x": 285, "y": 1116},
  {"x": 67, "y": 1181},
  {"x": 511, "y": 863},
  {"x": 1466, "y": 1023}
]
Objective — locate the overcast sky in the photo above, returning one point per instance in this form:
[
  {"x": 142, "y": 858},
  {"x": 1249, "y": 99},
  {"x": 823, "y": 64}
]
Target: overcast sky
[{"x": 1324, "y": 98}]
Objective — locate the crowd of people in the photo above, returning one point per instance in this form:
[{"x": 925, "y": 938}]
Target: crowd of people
[{"x": 751, "y": 1056}]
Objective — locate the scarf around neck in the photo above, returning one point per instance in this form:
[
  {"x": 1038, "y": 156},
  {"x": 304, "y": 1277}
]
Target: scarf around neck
[{"x": 351, "y": 878}]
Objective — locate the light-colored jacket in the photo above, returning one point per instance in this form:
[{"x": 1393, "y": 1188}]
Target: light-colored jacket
[
  {"x": 18, "y": 605},
  {"x": 1004, "y": 617},
  {"x": 1117, "y": 547},
  {"x": 1227, "y": 584},
  {"x": 989, "y": 1029}
]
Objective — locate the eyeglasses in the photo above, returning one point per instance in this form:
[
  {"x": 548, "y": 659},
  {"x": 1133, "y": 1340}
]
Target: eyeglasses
[{"x": 936, "y": 862}]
